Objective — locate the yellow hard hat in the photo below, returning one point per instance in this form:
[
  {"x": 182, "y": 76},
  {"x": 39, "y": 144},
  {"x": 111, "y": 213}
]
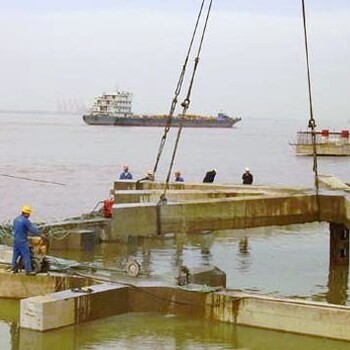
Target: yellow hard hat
[{"x": 26, "y": 209}]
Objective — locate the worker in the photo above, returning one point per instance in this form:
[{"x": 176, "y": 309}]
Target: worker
[
  {"x": 247, "y": 177},
  {"x": 210, "y": 176},
  {"x": 150, "y": 176},
  {"x": 178, "y": 177},
  {"x": 21, "y": 228},
  {"x": 126, "y": 174}
]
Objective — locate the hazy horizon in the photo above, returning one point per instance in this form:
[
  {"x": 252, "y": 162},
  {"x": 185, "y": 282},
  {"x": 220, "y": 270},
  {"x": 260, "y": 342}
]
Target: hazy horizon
[{"x": 252, "y": 62}]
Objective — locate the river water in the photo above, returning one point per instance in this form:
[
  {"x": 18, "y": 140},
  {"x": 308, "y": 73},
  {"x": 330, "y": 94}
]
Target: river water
[{"x": 289, "y": 260}]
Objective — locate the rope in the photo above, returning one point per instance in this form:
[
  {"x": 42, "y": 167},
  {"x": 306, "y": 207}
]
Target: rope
[
  {"x": 312, "y": 123},
  {"x": 185, "y": 104},
  {"x": 34, "y": 180},
  {"x": 177, "y": 92}
]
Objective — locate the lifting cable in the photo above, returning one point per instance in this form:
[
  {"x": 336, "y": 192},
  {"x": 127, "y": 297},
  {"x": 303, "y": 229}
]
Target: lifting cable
[
  {"x": 177, "y": 92},
  {"x": 312, "y": 123},
  {"x": 34, "y": 180},
  {"x": 185, "y": 104}
]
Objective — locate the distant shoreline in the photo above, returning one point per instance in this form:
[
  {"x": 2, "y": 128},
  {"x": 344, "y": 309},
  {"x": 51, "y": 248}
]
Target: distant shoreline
[{"x": 13, "y": 111}]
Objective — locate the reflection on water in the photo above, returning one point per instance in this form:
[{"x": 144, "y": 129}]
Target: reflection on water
[
  {"x": 155, "y": 331},
  {"x": 338, "y": 285},
  {"x": 290, "y": 261}
]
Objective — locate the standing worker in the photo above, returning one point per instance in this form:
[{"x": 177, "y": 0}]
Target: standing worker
[
  {"x": 126, "y": 174},
  {"x": 21, "y": 228},
  {"x": 210, "y": 176},
  {"x": 178, "y": 177},
  {"x": 247, "y": 177}
]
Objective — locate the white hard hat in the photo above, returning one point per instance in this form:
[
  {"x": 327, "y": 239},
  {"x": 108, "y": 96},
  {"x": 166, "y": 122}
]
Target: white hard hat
[{"x": 247, "y": 169}]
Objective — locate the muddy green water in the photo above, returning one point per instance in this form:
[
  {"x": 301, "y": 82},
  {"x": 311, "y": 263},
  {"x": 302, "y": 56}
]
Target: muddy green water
[
  {"x": 290, "y": 261},
  {"x": 152, "y": 331}
]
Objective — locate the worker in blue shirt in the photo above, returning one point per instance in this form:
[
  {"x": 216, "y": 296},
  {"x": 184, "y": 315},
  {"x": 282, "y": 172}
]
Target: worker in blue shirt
[
  {"x": 125, "y": 175},
  {"x": 21, "y": 228},
  {"x": 178, "y": 177}
]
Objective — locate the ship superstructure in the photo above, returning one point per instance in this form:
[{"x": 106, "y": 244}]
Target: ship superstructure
[{"x": 114, "y": 104}]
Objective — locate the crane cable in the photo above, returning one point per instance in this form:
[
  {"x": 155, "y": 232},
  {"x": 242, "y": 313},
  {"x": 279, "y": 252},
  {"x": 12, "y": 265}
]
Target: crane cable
[
  {"x": 185, "y": 104},
  {"x": 312, "y": 123},
  {"x": 177, "y": 92},
  {"x": 33, "y": 180}
]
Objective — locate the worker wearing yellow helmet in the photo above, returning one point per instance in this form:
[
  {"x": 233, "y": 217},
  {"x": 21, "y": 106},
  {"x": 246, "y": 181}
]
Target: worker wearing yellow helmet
[{"x": 21, "y": 228}]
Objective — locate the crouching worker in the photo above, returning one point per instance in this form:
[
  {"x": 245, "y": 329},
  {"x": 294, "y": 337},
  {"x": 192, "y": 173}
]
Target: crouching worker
[{"x": 21, "y": 228}]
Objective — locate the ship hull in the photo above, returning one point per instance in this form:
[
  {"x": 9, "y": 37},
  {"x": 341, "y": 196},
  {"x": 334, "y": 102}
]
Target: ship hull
[
  {"x": 150, "y": 121},
  {"x": 327, "y": 143},
  {"x": 326, "y": 149}
]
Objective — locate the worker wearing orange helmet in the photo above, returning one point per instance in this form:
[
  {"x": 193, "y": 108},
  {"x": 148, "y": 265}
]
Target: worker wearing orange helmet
[{"x": 21, "y": 228}]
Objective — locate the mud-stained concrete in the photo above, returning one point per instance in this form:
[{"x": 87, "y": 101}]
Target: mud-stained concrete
[{"x": 288, "y": 315}]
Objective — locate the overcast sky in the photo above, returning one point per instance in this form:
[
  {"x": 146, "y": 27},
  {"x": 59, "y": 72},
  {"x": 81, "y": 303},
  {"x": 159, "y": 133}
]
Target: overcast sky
[{"x": 252, "y": 62}]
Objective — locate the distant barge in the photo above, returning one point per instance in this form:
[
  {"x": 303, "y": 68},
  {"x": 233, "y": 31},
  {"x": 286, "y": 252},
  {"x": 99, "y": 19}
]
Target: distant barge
[
  {"x": 115, "y": 109},
  {"x": 328, "y": 143}
]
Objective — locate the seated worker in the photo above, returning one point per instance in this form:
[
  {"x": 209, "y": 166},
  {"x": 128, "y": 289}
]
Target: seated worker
[
  {"x": 178, "y": 177},
  {"x": 149, "y": 177},
  {"x": 210, "y": 176},
  {"x": 125, "y": 175},
  {"x": 247, "y": 177}
]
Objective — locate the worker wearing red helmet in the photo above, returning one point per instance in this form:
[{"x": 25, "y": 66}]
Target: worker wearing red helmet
[{"x": 21, "y": 228}]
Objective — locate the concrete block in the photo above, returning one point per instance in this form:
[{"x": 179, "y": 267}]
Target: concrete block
[
  {"x": 207, "y": 275},
  {"x": 46, "y": 312},
  {"x": 76, "y": 240},
  {"x": 74, "y": 306},
  {"x": 134, "y": 220}
]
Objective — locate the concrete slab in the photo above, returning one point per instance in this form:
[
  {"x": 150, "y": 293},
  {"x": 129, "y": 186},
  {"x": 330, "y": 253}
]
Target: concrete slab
[
  {"x": 19, "y": 286},
  {"x": 76, "y": 239},
  {"x": 265, "y": 208},
  {"x": 296, "y": 316}
]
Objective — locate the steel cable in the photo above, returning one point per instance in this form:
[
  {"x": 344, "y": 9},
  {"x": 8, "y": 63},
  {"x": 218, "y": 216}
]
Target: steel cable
[
  {"x": 312, "y": 123},
  {"x": 186, "y": 103},
  {"x": 177, "y": 92}
]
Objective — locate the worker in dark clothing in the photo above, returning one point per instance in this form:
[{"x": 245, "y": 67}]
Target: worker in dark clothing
[
  {"x": 126, "y": 174},
  {"x": 178, "y": 177},
  {"x": 21, "y": 228},
  {"x": 210, "y": 176},
  {"x": 247, "y": 177}
]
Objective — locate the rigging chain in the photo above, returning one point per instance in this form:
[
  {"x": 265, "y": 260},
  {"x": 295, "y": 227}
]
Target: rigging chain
[
  {"x": 177, "y": 92},
  {"x": 185, "y": 104},
  {"x": 312, "y": 123}
]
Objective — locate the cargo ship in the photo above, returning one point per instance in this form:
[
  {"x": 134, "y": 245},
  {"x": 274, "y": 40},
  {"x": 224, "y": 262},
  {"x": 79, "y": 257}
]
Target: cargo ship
[
  {"x": 115, "y": 108},
  {"x": 328, "y": 143}
]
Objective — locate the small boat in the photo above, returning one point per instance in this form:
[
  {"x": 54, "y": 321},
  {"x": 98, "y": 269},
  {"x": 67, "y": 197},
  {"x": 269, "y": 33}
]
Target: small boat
[
  {"x": 328, "y": 143},
  {"x": 116, "y": 109}
]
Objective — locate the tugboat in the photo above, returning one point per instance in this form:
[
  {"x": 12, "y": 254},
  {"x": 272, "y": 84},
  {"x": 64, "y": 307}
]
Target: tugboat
[
  {"x": 328, "y": 143},
  {"x": 116, "y": 109}
]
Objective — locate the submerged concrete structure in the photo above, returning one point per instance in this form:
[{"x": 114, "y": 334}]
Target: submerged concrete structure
[
  {"x": 198, "y": 207},
  {"x": 19, "y": 286},
  {"x": 67, "y": 308}
]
